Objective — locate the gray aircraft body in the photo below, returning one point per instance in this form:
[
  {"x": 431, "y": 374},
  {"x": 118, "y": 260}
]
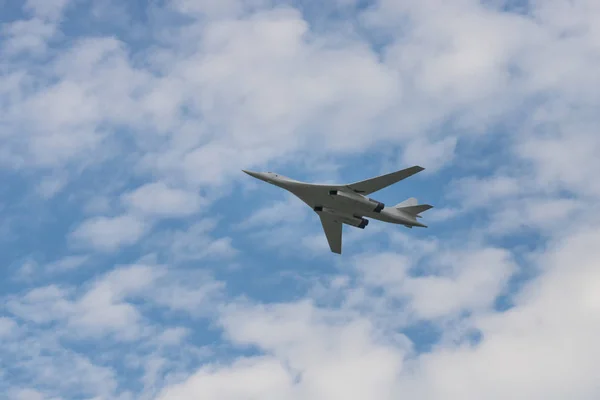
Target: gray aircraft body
[{"x": 348, "y": 204}]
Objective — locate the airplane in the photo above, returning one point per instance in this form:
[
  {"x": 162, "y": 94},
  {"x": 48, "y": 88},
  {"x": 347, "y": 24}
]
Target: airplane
[{"x": 348, "y": 203}]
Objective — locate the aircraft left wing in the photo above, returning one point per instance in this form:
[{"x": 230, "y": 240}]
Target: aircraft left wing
[
  {"x": 333, "y": 231},
  {"x": 369, "y": 186}
]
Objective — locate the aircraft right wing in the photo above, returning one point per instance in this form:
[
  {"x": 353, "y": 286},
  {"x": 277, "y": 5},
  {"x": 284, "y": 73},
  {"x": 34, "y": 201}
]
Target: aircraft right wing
[
  {"x": 374, "y": 184},
  {"x": 333, "y": 231}
]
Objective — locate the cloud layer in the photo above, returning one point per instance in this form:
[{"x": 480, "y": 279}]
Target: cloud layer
[{"x": 140, "y": 263}]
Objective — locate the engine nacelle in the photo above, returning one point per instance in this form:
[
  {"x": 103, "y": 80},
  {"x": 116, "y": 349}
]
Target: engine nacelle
[
  {"x": 364, "y": 222},
  {"x": 358, "y": 199},
  {"x": 347, "y": 219},
  {"x": 380, "y": 206}
]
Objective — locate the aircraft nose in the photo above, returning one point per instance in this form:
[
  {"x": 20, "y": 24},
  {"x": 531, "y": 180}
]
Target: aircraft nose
[{"x": 256, "y": 175}]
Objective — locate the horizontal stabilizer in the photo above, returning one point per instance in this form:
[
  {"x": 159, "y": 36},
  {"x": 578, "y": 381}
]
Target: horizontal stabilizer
[
  {"x": 415, "y": 210},
  {"x": 374, "y": 184}
]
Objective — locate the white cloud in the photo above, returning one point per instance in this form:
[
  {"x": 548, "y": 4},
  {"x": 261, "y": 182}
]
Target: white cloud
[
  {"x": 158, "y": 199},
  {"x": 102, "y": 309},
  {"x": 310, "y": 351},
  {"x": 312, "y": 354},
  {"x": 173, "y": 336},
  {"x": 107, "y": 312},
  {"x": 567, "y": 160},
  {"x": 27, "y": 36},
  {"x": 454, "y": 281},
  {"x": 50, "y": 186},
  {"x": 106, "y": 307},
  {"x": 7, "y": 326},
  {"x": 474, "y": 192},
  {"x": 555, "y": 313},
  {"x": 196, "y": 242},
  {"x": 108, "y": 234},
  {"x": 442, "y": 214},
  {"x": 225, "y": 8},
  {"x": 289, "y": 211},
  {"x": 67, "y": 263},
  {"x": 479, "y": 277},
  {"x": 26, "y": 394},
  {"x": 72, "y": 101},
  {"x": 433, "y": 155},
  {"x": 50, "y": 9},
  {"x": 272, "y": 104},
  {"x": 263, "y": 378},
  {"x": 270, "y": 109},
  {"x": 32, "y": 36},
  {"x": 545, "y": 215},
  {"x": 46, "y": 364},
  {"x": 195, "y": 294},
  {"x": 42, "y": 304}
]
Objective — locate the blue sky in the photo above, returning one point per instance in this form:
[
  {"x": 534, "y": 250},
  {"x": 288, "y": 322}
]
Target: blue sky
[{"x": 141, "y": 263}]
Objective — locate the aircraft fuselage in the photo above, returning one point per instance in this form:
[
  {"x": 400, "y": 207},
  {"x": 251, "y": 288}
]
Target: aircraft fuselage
[{"x": 346, "y": 202}]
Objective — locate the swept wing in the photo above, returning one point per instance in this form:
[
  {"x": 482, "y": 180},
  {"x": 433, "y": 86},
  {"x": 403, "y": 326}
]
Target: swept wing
[
  {"x": 333, "y": 232},
  {"x": 374, "y": 184}
]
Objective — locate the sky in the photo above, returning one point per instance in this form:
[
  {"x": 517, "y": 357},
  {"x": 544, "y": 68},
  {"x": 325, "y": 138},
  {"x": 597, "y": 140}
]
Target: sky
[{"x": 140, "y": 262}]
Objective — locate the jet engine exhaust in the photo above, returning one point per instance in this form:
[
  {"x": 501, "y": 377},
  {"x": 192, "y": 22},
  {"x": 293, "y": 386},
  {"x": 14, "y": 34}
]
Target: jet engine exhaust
[{"x": 357, "y": 222}]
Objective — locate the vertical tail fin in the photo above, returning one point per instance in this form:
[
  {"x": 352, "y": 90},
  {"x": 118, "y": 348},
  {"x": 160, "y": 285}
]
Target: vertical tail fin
[
  {"x": 412, "y": 207},
  {"x": 407, "y": 203}
]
